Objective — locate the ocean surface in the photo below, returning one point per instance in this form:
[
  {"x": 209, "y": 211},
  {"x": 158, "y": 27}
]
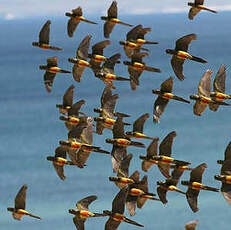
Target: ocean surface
[{"x": 30, "y": 128}]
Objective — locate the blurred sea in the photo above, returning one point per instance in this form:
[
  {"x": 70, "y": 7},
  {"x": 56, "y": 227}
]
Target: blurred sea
[{"x": 30, "y": 129}]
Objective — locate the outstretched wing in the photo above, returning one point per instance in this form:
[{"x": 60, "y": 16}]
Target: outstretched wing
[
  {"x": 45, "y": 33},
  {"x": 183, "y": 43},
  {"x": 85, "y": 202},
  {"x": 20, "y": 199}
]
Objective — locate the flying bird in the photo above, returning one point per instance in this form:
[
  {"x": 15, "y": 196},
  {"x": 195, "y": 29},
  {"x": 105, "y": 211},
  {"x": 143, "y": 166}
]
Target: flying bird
[
  {"x": 112, "y": 19},
  {"x": 82, "y": 213},
  {"x": 51, "y": 69},
  {"x": 75, "y": 18},
  {"x": 196, "y": 7},
  {"x": 19, "y": 209},
  {"x": 44, "y": 37},
  {"x": 180, "y": 54},
  {"x": 164, "y": 95},
  {"x": 80, "y": 62}
]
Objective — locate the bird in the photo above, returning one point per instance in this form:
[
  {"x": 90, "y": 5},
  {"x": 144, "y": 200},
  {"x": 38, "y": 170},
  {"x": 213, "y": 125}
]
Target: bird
[
  {"x": 227, "y": 155},
  {"x": 138, "y": 127},
  {"x": 164, "y": 95},
  {"x": 164, "y": 159},
  {"x": 225, "y": 178},
  {"x": 195, "y": 185},
  {"x": 196, "y": 7},
  {"x": 170, "y": 184},
  {"x": 44, "y": 37},
  {"x": 75, "y": 18},
  {"x": 106, "y": 112},
  {"x": 136, "y": 67},
  {"x": 116, "y": 214},
  {"x": 112, "y": 19},
  {"x": 59, "y": 160},
  {"x": 122, "y": 179},
  {"x": 82, "y": 213},
  {"x": 79, "y": 144},
  {"x": 73, "y": 113},
  {"x": 180, "y": 54},
  {"x": 138, "y": 194},
  {"x": 51, "y": 70},
  {"x": 67, "y": 100},
  {"x": 191, "y": 225},
  {"x": 218, "y": 93},
  {"x": 97, "y": 56},
  {"x": 135, "y": 40},
  {"x": 203, "y": 98},
  {"x": 107, "y": 73},
  {"x": 80, "y": 62},
  {"x": 19, "y": 209}
]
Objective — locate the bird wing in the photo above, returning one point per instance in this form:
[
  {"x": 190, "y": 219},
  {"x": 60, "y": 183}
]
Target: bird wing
[
  {"x": 199, "y": 108},
  {"x": 85, "y": 202},
  {"x": 87, "y": 134},
  {"x": 135, "y": 176},
  {"x": 99, "y": 47},
  {"x": 59, "y": 170},
  {"x": 111, "y": 224},
  {"x": 192, "y": 197},
  {"x": 199, "y": 2},
  {"x": 167, "y": 85},
  {"x": 68, "y": 96},
  {"x": 165, "y": 147},
  {"x": 124, "y": 167},
  {"x": 191, "y": 225},
  {"x": 177, "y": 66},
  {"x": 74, "y": 110},
  {"x": 143, "y": 185},
  {"x": 112, "y": 11},
  {"x": 117, "y": 154},
  {"x": 52, "y": 61},
  {"x": 118, "y": 202},
  {"x": 152, "y": 148},
  {"x": 138, "y": 125},
  {"x": 193, "y": 12},
  {"x": 196, "y": 173},
  {"x": 20, "y": 199},
  {"x": 133, "y": 33},
  {"x": 118, "y": 128},
  {"x": 45, "y": 33},
  {"x": 109, "y": 64},
  {"x": 159, "y": 107},
  {"x": 108, "y": 27},
  {"x": 205, "y": 84},
  {"x": 137, "y": 56},
  {"x": 219, "y": 81},
  {"x": 48, "y": 80},
  {"x": 76, "y": 132},
  {"x": 60, "y": 152},
  {"x": 77, "y": 72},
  {"x": 228, "y": 152},
  {"x": 162, "y": 194},
  {"x": 71, "y": 26},
  {"x": 82, "y": 51},
  {"x": 183, "y": 42},
  {"x": 77, "y": 11},
  {"x": 79, "y": 222},
  {"x": 143, "y": 31}
]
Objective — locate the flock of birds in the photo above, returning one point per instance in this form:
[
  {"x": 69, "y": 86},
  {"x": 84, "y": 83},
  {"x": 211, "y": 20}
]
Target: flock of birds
[{"x": 133, "y": 191}]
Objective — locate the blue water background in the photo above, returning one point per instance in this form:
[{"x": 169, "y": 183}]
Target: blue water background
[{"x": 30, "y": 128}]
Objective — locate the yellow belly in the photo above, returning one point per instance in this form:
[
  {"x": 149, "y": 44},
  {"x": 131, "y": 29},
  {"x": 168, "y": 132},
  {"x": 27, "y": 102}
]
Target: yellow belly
[
  {"x": 79, "y": 18},
  {"x": 136, "y": 192},
  {"x": 197, "y": 186},
  {"x": 168, "y": 96},
  {"x": 74, "y": 120},
  {"x": 60, "y": 161},
  {"x": 139, "y": 135},
  {"x": 118, "y": 217},
  {"x": 54, "y": 69},
  {"x": 183, "y": 55},
  {"x": 123, "y": 142},
  {"x": 99, "y": 58},
  {"x": 45, "y": 46},
  {"x": 139, "y": 66},
  {"x": 109, "y": 121},
  {"x": 228, "y": 179},
  {"x": 221, "y": 96},
  {"x": 82, "y": 63},
  {"x": 140, "y": 41},
  {"x": 110, "y": 77},
  {"x": 166, "y": 160},
  {"x": 84, "y": 214},
  {"x": 75, "y": 145},
  {"x": 205, "y": 100},
  {"x": 114, "y": 20},
  {"x": 131, "y": 45}
]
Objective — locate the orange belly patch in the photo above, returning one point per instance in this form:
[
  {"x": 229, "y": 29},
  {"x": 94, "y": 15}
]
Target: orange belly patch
[
  {"x": 167, "y": 96},
  {"x": 118, "y": 217},
  {"x": 54, "y": 69},
  {"x": 136, "y": 192},
  {"x": 228, "y": 179},
  {"x": 138, "y": 65},
  {"x": 99, "y": 58},
  {"x": 196, "y": 186},
  {"x": 83, "y": 63},
  {"x": 123, "y": 142}
]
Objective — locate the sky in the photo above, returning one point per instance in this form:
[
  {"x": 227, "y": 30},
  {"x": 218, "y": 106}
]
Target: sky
[{"x": 33, "y": 8}]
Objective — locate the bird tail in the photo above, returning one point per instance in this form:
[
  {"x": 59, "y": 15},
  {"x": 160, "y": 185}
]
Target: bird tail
[
  {"x": 181, "y": 163},
  {"x": 197, "y": 59},
  {"x": 55, "y": 48},
  {"x": 137, "y": 144},
  {"x": 125, "y": 24},
  {"x": 122, "y": 78},
  {"x": 64, "y": 71},
  {"x": 180, "y": 99},
  {"x": 118, "y": 114},
  {"x": 152, "y": 69},
  {"x": 151, "y": 43},
  {"x": 221, "y": 162},
  {"x": 132, "y": 222},
  {"x": 34, "y": 216},
  {"x": 144, "y": 49},
  {"x": 88, "y": 21},
  {"x": 210, "y": 189},
  {"x": 222, "y": 103}
]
